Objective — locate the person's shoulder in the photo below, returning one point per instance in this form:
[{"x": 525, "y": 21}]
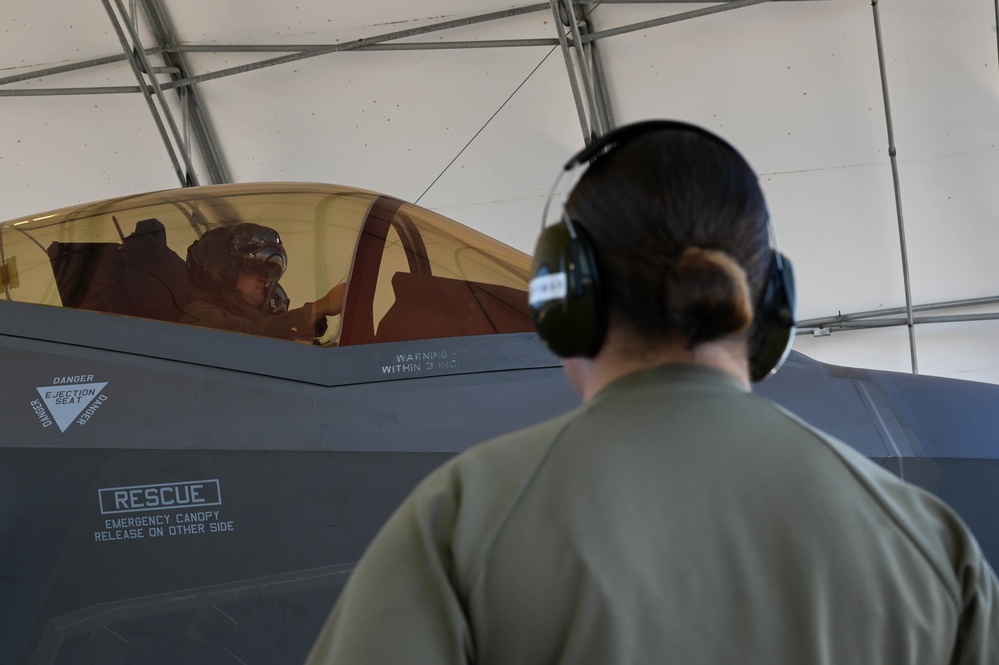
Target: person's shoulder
[
  {"x": 201, "y": 299},
  {"x": 475, "y": 492},
  {"x": 516, "y": 451},
  {"x": 926, "y": 521},
  {"x": 493, "y": 472}
]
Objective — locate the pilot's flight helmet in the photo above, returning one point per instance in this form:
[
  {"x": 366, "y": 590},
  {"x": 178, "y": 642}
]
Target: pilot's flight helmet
[{"x": 215, "y": 260}]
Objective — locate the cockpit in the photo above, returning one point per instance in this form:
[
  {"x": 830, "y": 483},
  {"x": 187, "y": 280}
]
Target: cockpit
[{"x": 410, "y": 273}]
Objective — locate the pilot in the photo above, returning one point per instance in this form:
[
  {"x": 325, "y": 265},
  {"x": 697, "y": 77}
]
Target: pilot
[
  {"x": 235, "y": 270},
  {"x": 675, "y": 516}
]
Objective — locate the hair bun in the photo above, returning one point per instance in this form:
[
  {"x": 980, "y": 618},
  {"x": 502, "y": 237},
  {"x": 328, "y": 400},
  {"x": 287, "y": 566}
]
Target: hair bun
[{"x": 710, "y": 296}]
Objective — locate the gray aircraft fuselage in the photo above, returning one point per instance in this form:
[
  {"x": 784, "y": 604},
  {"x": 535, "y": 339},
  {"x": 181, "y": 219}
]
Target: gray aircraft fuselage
[{"x": 176, "y": 494}]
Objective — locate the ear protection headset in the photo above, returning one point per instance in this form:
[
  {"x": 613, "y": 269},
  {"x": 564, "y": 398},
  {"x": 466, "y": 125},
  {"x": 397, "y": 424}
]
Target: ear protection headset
[{"x": 567, "y": 298}]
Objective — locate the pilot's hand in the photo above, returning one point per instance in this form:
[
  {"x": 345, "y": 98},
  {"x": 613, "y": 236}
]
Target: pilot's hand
[{"x": 332, "y": 303}]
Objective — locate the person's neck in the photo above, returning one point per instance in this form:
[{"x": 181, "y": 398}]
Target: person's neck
[{"x": 620, "y": 356}]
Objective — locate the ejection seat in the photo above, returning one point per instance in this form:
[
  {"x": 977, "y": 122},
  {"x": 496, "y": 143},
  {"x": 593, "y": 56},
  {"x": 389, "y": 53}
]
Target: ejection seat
[
  {"x": 425, "y": 306},
  {"x": 141, "y": 276}
]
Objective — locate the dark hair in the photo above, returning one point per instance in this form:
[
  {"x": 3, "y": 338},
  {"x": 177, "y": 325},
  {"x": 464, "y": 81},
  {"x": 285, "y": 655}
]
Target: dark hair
[{"x": 681, "y": 230}]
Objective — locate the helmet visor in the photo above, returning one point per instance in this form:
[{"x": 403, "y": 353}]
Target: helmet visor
[{"x": 267, "y": 262}]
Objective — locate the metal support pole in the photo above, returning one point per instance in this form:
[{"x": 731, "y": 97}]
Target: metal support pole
[
  {"x": 600, "y": 81},
  {"x": 574, "y": 84},
  {"x": 146, "y": 92},
  {"x": 381, "y": 46},
  {"x": 597, "y": 127},
  {"x": 196, "y": 119},
  {"x": 891, "y": 322},
  {"x": 67, "y": 92},
  {"x": 675, "y": 18},
  {"x": 139, "y": 62},
  {"x": 359, "y": 43},
  {"x": 62, "y": 69},
  {"x": 833, "y": 321},
  {"x": 898, "y": 192}
]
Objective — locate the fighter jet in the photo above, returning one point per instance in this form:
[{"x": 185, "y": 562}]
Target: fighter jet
[{"x": 184, "y": 488}]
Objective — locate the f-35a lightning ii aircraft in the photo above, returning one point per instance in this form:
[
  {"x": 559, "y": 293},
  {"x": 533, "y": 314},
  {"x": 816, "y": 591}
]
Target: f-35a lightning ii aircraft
[{"x": 172, "y": 493}]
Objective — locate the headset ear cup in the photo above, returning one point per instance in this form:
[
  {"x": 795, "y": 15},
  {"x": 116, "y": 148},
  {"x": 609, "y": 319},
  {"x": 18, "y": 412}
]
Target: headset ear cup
[
  {"x": 777, "y": 323},
  {"x": 566, "y": 299}
]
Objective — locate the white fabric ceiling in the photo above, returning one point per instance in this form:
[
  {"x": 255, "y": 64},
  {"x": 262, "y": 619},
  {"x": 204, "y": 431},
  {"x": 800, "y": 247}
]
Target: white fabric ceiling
[{"x": 479, "y": 134}]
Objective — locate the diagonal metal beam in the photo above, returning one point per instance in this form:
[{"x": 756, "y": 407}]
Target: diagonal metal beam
[
  {"x": 197, "y": 114},
  {"x": 596, "y": 117},
  {"x": 600, "y": 78},
  {"x": 141, "y": 67},
  {"x": 61, "y": 69},
  {"x": 372, "y": 43},
  {"x": 359, "y": 43},
  {"x": 584, "y": 123},
  {"x": 675, "y": 18},
  {"x": 598, "y": 123},
  {"x": 65, "y": 92}
]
